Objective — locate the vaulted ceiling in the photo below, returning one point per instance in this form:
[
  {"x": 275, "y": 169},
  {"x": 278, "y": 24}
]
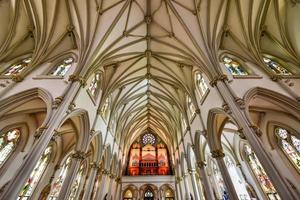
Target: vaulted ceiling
[{"x": 148, "y": 50}]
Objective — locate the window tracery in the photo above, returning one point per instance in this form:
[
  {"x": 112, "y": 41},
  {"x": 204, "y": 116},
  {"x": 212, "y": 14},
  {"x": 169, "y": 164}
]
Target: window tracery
[
  {"x": 35, "y": 175},
  {"x": 59, "y": 181},
  {"x": 8, "y": 142},
  {"x": 234, "y": 67},
  {"x": 201, "y": 84},
  {"x": 260, "y": 174},
  {"x": 276, "y": 67},
  {"x": 62, "y": 68},
  {"x": 290, "y": 145},
  {"x": 94, "y": 85},
  {"x": 148, "y": 193},
  {"x": 18, "y": 67},
  {"x": 148, "y": 138}
]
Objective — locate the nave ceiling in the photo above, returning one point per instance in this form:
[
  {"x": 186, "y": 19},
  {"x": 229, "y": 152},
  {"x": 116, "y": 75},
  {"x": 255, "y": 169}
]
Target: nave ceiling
[{"x": 149, "y": 50}]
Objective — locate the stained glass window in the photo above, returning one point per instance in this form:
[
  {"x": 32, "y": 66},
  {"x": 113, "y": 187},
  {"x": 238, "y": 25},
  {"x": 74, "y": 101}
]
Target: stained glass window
[
  {"x": 191, "y": 106},
  {"x": 201, "y": 84},
  {"x": 8, "y": 142},
  {"x": 35, "y": 175},
  {"x": 148, "y": 193},
  {"x": 60, "y": 179},
  {"x": 260, "y": 174},
  {"x": 18, "y": 67},
  {"x": 276, "y": 67},
  {"x": 290, "y": 145},
  {"x": 148, "y": 138},
  {"x": 234, "y": 67},
  {"x": 128, "y": 195},
  {"x": 76, "y": 184},
  {"x": 94, "y": 85},
  {"x": 104, "y": 109},
  {"x": 62, "y": 68},
  {"x": 219, "y": 182},
  {"x": 237, "y": 178}
]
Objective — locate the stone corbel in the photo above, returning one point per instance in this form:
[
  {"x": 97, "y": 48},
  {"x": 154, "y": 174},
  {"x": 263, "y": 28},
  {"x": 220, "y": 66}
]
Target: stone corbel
[
  {"x": 17, "y": 78},
  {"x": 217, "y": 153},
  {"x": 94, "y": 165},
  {"x": 240, "y": 102},
  {"x": 201, "y": 164},
  {"x": 226, "y": 108},
  {"x": 79, "y": 155},
  {"x": 39, "y": 131},
  {"x": 214, "y": 81},
  {"x": 71, "y": 107},
  {"x": 57, "y": 101},
  {"x": 276, "y": 77},
  {"x": 256, "y": 130},
  {"x": 241, "y": 134},
  {"x": 74, "y": 78}
]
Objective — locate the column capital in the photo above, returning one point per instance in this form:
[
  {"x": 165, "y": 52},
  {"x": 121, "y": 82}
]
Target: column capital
[
  {"x": 222, "y": 77},
  {"x": 78, "y": 155},
  {"x": 94, "y": 165},
  {"x": 240, "y": 102},
  {"x": 105, "y": 172},
  {"x": 218, "y": 153},
  {"x": 80, "y": 79},
  {"x": 201, "y": 164},
  {"x": 226, "y": 108}
]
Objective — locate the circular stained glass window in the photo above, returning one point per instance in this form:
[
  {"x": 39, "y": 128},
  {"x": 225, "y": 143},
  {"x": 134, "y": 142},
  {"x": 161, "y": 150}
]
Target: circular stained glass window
[{"x": 148, "y": 138}]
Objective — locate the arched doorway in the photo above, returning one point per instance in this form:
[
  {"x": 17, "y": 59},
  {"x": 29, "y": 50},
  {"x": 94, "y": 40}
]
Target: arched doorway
[{"x": 148, "y": 195}]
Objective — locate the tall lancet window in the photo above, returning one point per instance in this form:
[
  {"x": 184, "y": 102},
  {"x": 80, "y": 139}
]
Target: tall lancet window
[
  {"x": 234, "y": 67},
  {"x": 60, "y": 180},
  {"x": 190, "y": 105},
  {"x": 290, "y": 144},
  {"x": 276, "y": 67},
  {"x": 18, "y": 67},
  {"x": 75, "y": 186},
  {"x": 260, "y": 174},
  {"x": 219, "y": 182},
  {"x": 8, "y": 142},
  {"x": 201, "y": 84},
  {"x": 62, "y": 68},
  {"x": 35, "y": 175},
  {"x": 94, "y": 85}
]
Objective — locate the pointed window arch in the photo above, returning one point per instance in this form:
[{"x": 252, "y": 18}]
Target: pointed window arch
[
  {"x": 76, "y": 184},
  {"x": 290, "y": 145},
  {"x": 276, "y": 67},
  {"x": 8, "y": 143},
  {"x": 35, "y": 175},
  {"x": 260, "y": 174},
  {"x": 148, "y": 193},
  {"x": 62, "y": 68},
  {"x": 17, "y": 67},
  {"x": 234, "y": 67},
  {"x": 201, "y": 84},
  {"x": 95, "y": 85},
  {"x": 60, "y": 179}
]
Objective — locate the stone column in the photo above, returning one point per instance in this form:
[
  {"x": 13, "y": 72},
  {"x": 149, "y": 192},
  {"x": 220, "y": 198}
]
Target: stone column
[
  {"x": 235, "y": 106},
  {"x": 77, "y": 157},
  {"x": 111, "y": 180},
  {"x": 192, "y": 173},
  {"x": 60, "y": 106},
  {"x": 180, "y": 187},
  {"x": 208, "y": 191},
  {"x": 177, "y": 190},
  {"x": 186, "y": 187},
  {"x": 100, "y": 193},
  {"x": 91, "y": 181},
  {"x": 219, "y": 155},
  {"x": 118, "y": 184}
]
